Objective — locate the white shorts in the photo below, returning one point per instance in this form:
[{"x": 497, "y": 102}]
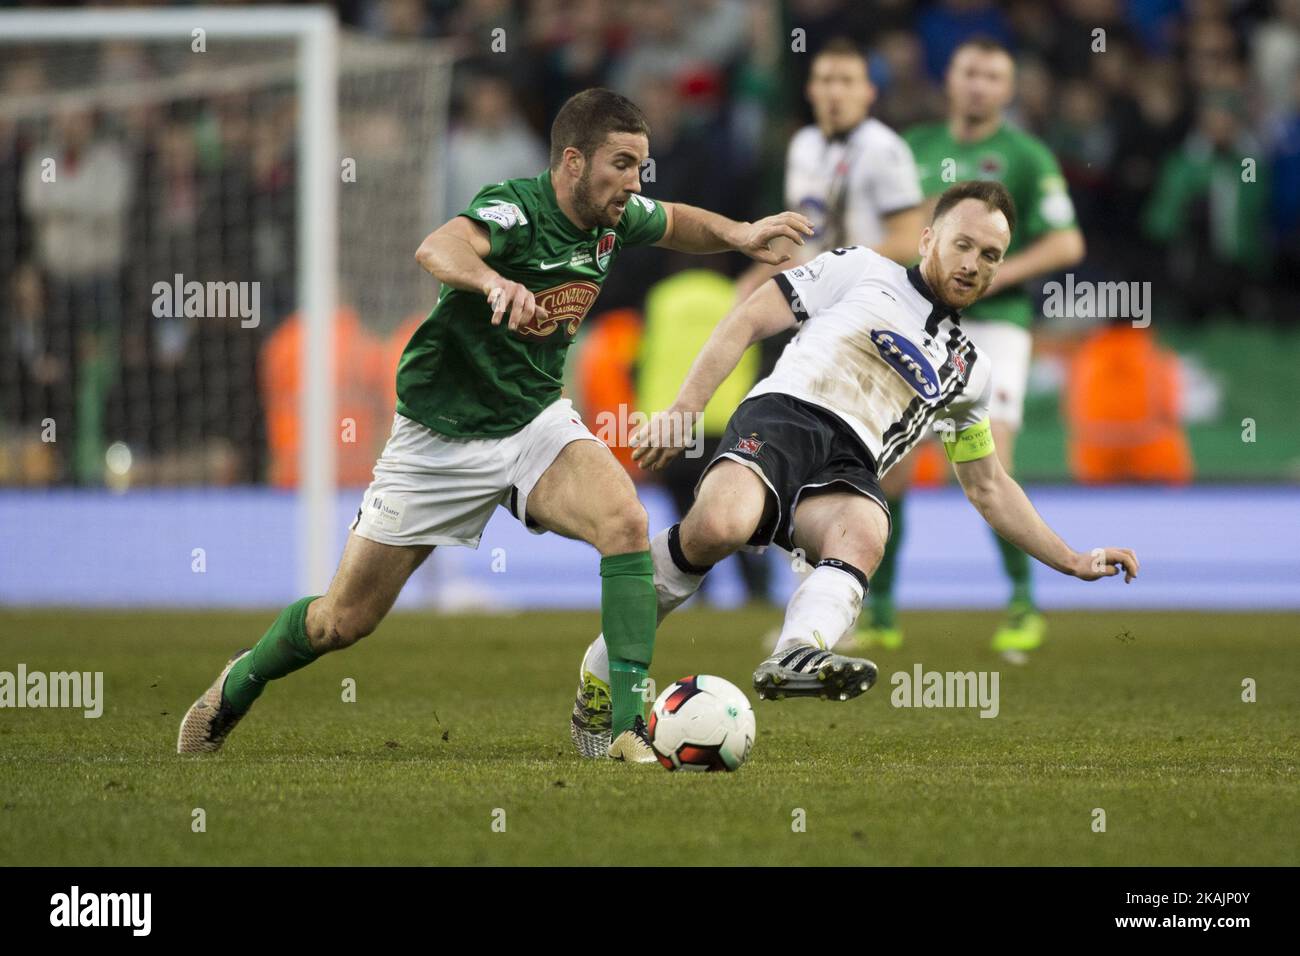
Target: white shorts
[
  {"x": 1009, "y": 347},
  {"x": 430, "y": 489}
]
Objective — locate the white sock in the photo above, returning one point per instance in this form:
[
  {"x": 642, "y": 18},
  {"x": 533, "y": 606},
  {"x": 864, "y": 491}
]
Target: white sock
[
  {"x": 596, "y": 660},
  {"x": 821, "y": 610},
  {"x": 672, "y": 587}
]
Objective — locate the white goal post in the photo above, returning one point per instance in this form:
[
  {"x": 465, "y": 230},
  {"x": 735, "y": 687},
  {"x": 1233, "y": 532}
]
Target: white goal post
[{"x": 313, "y": 32}]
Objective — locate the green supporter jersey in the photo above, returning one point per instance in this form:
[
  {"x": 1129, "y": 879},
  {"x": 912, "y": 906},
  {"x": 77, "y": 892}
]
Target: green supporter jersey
[
  {"x": 463, "y": 377},
  {"x": 1020, "y": 162}
]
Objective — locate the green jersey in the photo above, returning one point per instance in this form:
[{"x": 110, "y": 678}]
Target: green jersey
[
  {"x": 1023, "y": 164},
  {"x": 462, "y": 376}
]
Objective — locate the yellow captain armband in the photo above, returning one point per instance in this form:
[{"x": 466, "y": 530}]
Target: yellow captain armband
[{"x": 969, "y": 444}]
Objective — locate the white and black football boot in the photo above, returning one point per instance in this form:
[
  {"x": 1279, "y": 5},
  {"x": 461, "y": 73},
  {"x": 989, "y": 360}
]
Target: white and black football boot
[{"x": 808, "y": 670}]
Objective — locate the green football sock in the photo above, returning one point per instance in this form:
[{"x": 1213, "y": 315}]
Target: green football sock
[
  {"x": 282, "y": 650},
  {"x": 1016, "y": 563},
  {"x": 627, "y": 616},
  {"x": 882, "y": 582}
]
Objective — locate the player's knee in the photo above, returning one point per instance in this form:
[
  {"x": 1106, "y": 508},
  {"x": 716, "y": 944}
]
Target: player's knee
[
  {"x": 343, "y": 627},
  {"x": 623, "y": 529},
  {"x": 855, "y": 544},
  {"x": 866, "y": 558},
  {"x": 712, "y": 535}
]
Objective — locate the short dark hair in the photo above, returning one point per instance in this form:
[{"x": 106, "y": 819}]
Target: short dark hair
[
  {"x": 991, "y": 193},
  {"x": 983, "y": 43},
  {"x": 843, "y": 46},
  {"x": 587, "y": 118}
]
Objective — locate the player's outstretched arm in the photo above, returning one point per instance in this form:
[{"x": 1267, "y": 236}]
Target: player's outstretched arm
[
  {"x": 763, "y": 314},
  {"x": 691, "y": 229},
  {"x": 454, "y": 254},
  {"x": 1007, "y": 509}
]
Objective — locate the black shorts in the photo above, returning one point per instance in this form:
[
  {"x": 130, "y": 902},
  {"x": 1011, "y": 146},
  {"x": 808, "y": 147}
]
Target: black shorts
[{"x": 798, "y": 450}]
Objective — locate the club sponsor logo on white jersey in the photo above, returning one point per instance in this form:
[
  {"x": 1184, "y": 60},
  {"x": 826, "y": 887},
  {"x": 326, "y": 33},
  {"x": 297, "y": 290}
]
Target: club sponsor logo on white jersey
[{"x": 908, "y": 360}]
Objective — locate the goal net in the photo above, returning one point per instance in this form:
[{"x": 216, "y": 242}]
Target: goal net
[{"x": 207, "y": 227}]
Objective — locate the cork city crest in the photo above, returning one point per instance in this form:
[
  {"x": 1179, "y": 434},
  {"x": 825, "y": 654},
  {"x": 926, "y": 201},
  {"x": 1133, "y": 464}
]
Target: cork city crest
[
  {"x": 604, "y": 249},
  {"x": 566, "y": 306}
]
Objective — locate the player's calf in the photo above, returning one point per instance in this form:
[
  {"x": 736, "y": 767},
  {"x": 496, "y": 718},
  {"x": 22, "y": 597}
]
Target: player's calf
[
  {"x": 821, "y": 611},
  {"x": 590, "y": 727}
]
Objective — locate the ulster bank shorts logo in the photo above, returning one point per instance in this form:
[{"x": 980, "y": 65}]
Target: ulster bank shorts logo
[{"x": 566, "y": 306}]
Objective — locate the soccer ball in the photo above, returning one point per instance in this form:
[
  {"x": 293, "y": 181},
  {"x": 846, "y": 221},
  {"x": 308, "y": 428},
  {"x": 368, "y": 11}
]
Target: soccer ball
[{"x": 702, "y": 723}]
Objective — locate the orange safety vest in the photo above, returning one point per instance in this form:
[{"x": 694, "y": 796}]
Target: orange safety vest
[
  {"x": 604, "y": 379},
  {"x": 1121, "y": 408},
  {"x": 360, "y": 395}
]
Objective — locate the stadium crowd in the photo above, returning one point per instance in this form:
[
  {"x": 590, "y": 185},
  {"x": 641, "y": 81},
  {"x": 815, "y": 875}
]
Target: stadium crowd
[{"x": 1155, "y": 108}]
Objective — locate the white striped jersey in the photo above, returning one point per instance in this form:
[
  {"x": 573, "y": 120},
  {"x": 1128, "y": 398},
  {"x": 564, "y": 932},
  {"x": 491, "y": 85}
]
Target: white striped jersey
[
  {"x": 848, "y": 184},
  {"x": 876, "y": 348}
]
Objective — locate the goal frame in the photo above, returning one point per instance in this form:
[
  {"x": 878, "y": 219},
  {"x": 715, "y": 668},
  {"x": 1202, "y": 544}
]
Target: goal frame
[{"x": 315, "y": 33}]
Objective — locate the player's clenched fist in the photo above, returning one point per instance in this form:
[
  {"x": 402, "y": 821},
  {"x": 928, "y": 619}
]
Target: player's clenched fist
[
  {"x": 1106, "y": 563},
  {"x": 513, "y": 299},
  {"x": 756, "y": 237}
]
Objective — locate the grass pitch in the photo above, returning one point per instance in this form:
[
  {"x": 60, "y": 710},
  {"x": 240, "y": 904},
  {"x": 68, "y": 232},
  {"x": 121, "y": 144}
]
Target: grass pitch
[{"x": 459, "y": 718}]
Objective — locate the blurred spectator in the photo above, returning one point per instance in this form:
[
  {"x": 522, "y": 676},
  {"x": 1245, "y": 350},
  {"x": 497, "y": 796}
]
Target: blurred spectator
[
  {"x": 479, "y": 26},
  {"x": 490, "y": 142},
  {"x": 1286, "y": 196},
  {"x": 943, "y": 26},
  {"x": 604, "y": 374},
  {"x": 576, "y": 45},
  {"x": 362, "y": 382},
  {"x": 1035, "y": 103},
  {"x": 823, "y": 20},
  {"x": 22, "y": 77},
  {"x": 1150, "y": 124},
  {"x": 657, "y": 46},
  {"x": 76, "y": 192},
  {"x": 908, "y": 96},
  {"x": 1210, "y": 212},
  {"x": 718, "y": 32},
  {"x": 1122, "y": 410},
  {"x": 689, "y": 165},
  {"x": 1079, "y": 133},
  {"x": 396, "y": 18},
  {"x": 1275, "y": 59},
  {"x": 1213, "y": 56}
]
